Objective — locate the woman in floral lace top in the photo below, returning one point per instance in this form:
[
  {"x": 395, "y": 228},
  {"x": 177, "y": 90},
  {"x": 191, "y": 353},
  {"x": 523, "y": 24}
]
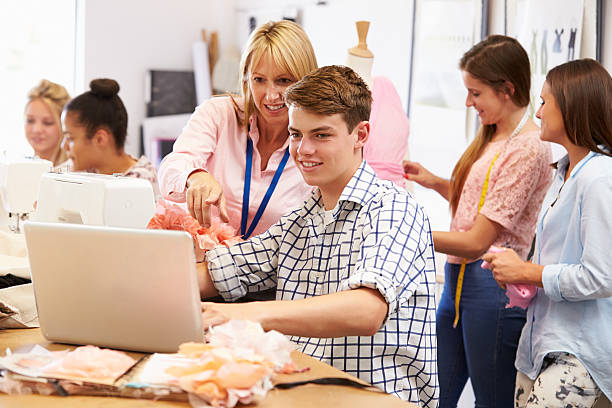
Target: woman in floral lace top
[{"x": 509, "y": 167}]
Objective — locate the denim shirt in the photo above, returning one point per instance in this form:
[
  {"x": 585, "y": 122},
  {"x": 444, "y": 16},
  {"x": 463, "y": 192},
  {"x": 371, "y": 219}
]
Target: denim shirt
[{"x": 573, "y": 312}]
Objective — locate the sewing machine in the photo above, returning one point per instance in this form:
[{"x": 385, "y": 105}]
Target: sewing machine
[
  {"x": 95, "y": 199},
  {"x": 19, "y": 181}
]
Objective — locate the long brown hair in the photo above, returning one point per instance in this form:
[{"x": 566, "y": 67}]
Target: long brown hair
[
  {"x": 287, "y": 44},
  {"x": 496, "y": 61},
  {"x": 583, "y": 92}
]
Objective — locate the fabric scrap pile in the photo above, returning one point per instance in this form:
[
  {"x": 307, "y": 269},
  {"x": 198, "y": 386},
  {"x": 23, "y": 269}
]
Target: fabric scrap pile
[
  {"x": 236, "y": 365},
  {"x": 63, "y": 372}
]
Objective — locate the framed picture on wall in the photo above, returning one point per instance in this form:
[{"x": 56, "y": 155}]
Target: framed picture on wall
[
  {"x": 440, "y": 123},
  {"x": 554, "y": 32},
  {"x": 591, "y": 38}
]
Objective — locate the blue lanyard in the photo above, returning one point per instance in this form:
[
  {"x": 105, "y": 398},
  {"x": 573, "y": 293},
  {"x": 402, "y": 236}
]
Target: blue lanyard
[{"x": 247, "y": 188}]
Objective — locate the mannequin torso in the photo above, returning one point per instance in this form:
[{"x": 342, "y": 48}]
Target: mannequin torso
[{"x": 362, "y": 66}]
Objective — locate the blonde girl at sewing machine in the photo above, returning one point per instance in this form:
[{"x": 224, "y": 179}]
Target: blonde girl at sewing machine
[
  {"x": 95, "y": 129},
  {"x": 495, "y": 193},
  {"x": 43, "y": 128}
]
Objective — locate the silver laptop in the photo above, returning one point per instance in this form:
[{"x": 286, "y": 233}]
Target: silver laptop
[{"x": 131, "y": 289}]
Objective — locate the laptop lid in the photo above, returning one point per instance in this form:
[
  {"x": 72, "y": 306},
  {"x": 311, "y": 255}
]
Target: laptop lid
[{"x": 132, "y": 289}]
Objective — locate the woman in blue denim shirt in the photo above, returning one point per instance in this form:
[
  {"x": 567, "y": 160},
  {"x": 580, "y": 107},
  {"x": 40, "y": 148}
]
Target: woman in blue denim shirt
[{"x": 565, "y": 351}]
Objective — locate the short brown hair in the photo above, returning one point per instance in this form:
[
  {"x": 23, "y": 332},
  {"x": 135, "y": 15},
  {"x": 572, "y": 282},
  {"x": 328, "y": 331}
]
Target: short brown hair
[
  {"x": 330, "y": 90},
  {"x": 583, "y": 91}
]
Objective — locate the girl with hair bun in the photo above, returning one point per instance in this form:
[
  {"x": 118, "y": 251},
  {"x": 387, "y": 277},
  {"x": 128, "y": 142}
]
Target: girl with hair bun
[
  {"x": 43, "y": 128},
  {"x": 95, "y": 130}
]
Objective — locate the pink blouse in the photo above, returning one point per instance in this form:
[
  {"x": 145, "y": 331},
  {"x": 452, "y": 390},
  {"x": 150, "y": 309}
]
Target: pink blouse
[
  {"x": 213, "y": 140},
  {"x": 518, "y": 182}
]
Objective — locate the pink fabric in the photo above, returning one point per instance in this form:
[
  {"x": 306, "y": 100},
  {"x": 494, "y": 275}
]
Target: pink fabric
[
  {"x": 213, "y": 140},
  {"x": 170, "y": 216},
  {"x": 518, "y": 295},
  {"x": 389, "y": 130},
  {"x": 518, "y": 182}
]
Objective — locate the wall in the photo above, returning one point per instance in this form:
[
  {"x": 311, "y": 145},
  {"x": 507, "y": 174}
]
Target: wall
[
  {"x": 607, "y": 45},
  {"x": 123, "y": 39},
  {"x": 331, "y": 27},
  {"x": 496, "y": 26}
]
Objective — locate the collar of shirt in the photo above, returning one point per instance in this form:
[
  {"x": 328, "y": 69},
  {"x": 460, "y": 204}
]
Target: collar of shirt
[
  {"x": 564, "y": 162},
  {"x": 254, "y": 133},
  {"x": 358, "y": 191}
]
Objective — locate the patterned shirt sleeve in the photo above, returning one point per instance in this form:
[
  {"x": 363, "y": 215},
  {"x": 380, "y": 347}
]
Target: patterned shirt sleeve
[
  {"x": 394, "y": 251},
  {"x": 248, "y": 266}
]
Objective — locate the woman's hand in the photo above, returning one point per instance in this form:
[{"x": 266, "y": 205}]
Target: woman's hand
[
  {"x": 203, "y": 191},
  {"x": 508, "y": 267},
  {"x": 414, "y": 171}
]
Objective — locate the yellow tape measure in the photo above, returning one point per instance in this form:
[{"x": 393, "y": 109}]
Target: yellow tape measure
[{"x": 483, "y": 194}]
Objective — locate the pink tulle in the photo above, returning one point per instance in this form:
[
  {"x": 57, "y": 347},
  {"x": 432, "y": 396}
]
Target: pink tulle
[
  {"x": 518, "y": 294},
  {"x": 170, "y": 216}
]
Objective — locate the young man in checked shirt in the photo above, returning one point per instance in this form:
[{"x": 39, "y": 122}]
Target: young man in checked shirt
[{"x": 354, "y": 267}]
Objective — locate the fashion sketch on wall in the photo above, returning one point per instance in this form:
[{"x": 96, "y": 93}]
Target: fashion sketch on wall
[{"x": 551, "y": 32}]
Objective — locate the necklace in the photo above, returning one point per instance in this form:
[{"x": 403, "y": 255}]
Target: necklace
[{"x": 520, "y": 124}]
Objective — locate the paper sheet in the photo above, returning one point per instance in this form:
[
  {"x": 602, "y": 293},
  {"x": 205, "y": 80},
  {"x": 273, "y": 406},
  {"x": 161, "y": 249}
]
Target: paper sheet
[{"x": 201, "y": 71}]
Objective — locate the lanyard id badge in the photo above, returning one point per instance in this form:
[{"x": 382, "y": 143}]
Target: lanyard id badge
[{"x": 244, "y": 230}]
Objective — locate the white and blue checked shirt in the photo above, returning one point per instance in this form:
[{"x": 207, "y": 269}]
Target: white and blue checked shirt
[{"x": 376, "y": 237}]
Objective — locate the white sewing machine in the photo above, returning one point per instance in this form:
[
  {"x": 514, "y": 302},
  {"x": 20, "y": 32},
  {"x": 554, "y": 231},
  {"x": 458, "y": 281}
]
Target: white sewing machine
[
  {"x": 95, "y": 199},
  {"x": 19, "y": 181}
]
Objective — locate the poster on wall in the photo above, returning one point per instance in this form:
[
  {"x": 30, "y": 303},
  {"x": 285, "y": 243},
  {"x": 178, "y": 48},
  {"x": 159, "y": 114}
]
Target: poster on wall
[{"x": 551, "y": 33}]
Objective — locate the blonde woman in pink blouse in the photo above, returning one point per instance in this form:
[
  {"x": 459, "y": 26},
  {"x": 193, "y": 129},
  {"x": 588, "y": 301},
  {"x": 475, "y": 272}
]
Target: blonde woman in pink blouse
[
  {"x": 232, "y": 154},
  {"x": 495, "y": 193}
]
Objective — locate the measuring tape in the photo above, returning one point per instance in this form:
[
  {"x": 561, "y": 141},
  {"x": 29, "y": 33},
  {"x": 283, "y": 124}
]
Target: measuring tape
[{"x": 464, "y": 261}]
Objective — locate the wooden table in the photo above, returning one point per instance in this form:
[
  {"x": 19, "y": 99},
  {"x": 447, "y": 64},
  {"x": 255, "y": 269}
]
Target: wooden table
[{"x": 303, "y": 396}]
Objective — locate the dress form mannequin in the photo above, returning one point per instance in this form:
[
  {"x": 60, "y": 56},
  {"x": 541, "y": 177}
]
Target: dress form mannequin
[
  {"x": 360, "y": 58},
  {"x": 387, "y": 145}
]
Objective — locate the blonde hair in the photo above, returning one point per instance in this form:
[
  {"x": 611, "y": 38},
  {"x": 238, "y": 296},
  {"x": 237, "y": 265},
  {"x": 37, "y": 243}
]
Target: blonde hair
[
  {"x": 496, "y": 61},
  {"x": 287, "y": 44},
  {"x": 55, "y": 97}
]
